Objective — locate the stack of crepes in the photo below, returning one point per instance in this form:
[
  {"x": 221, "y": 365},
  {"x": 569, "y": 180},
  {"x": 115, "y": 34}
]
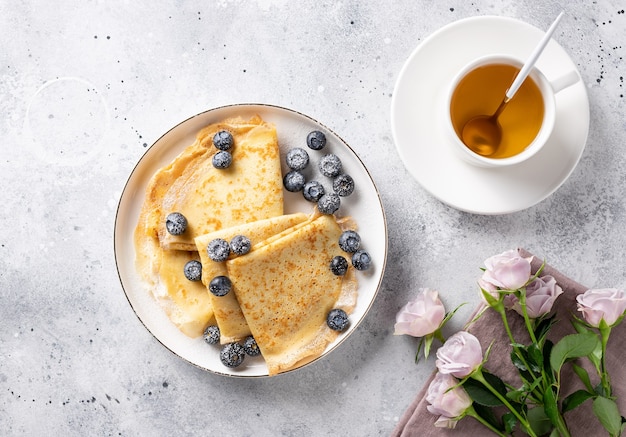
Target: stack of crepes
[
  {"x": 417, "y": 421},
  {"x": 282, "y": 289}
]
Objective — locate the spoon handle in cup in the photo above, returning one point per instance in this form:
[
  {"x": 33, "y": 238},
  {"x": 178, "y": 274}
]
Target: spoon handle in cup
[{"x": 529, "y": 64}]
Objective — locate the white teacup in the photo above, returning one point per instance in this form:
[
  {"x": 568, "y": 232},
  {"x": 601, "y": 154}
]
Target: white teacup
[{"x": 544, "y": 125}]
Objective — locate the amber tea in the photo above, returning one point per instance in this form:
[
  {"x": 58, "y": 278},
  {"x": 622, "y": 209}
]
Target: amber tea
[{"x": 481, "y": 91}]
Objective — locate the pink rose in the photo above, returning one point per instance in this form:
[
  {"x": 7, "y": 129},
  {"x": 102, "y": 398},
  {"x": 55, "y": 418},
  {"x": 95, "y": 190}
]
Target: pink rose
[
  {"x": 508, "y": 271},
  {"x": 608, "y": 304},
  {"x": 421, "y": 316},
  {"x": 540, "y": 296},
  {"x": 460, "y": 355},
  {"x": 447, "y": 404}
]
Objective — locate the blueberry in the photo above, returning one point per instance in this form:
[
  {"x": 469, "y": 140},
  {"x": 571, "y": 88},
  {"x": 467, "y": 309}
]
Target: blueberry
[
  {"x": 361, "y": 260},
  {"x": 312, "y": 191},
  {"x": 294, "y": 181},
  {"x": 251, "y": 347},
  {"x": 193, "y": 270},
  {"x": 232, "y": 355},
  {"x": 316, "y": 140},
  {"x": 223, "y": 140},
  {"x": 329, "y": 203},
  {"x": 218, "y": 249},
  {"x": 220, "y": 285},
  {"x": 175, "y": 223},
  {"x": 349, "y": 241},
  {"x": 297, "y": 159},
  {"x": 339, "y": 265},
  {"x": 212, "y": 334},
  {"x": 337, "y": 319},
  {"x": 343, "y": 185},
  {"x": 330, "y": 165},
  {"x": 222, "y": 159},
  {"x": 240, "y": 245}
]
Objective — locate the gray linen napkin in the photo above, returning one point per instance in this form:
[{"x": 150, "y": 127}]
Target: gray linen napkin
[{"x": 417, "y": 421}]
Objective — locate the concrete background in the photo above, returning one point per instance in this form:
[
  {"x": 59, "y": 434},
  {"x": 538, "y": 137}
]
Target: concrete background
[{"x": 86, "y": 87}]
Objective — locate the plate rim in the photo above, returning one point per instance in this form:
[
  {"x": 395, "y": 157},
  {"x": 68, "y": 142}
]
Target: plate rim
[{"x": 249, "y": 106}]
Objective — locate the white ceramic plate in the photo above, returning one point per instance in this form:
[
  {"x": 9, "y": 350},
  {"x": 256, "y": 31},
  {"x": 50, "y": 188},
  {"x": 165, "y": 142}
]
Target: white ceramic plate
[
  {"x": 364, "y": 205},
  {"x": 417, "y": 112}
]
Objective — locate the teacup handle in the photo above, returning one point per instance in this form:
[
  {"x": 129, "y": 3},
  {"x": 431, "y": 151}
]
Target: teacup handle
[{"x": 565, "y": 81}]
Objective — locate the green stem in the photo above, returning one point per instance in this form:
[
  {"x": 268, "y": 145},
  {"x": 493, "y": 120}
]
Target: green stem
[
  {"x": 561, "y": 426},
  {"x": 529, "y": 328},
  {"x": 478, "y": 376},
  {"x": 472, "y": 413},
  {"x": 531, "y": 332},
  {"x": 507, "y": 328},
  {"x": 604, "y": 375},
  {"x": 537, "y": 393}
]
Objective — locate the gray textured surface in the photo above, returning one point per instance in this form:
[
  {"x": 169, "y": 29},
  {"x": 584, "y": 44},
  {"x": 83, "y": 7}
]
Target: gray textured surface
[{"x": 86, "y": 86}]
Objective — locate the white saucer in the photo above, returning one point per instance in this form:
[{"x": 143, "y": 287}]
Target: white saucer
[{"x": 417, "y": 124}]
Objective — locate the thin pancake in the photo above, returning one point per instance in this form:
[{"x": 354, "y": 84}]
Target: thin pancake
[
  {"x": 228, "y": 315},
  {"x": 286, "y": 289},
  {"x": 185, "y": 302},
  {"x": 249, "y": 190},
  {"x": 211, "y": 199},
  {"x": 191, "y": 310}
]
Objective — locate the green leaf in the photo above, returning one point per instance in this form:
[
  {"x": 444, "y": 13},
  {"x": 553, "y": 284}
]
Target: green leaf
[
  {"x": 517, "y": 359},
  {"x": 576, "y": 399},
  {"x": 572, "y": 346},
  {"x": 606, "y": 411},
  {"x": 547, "y": 350},
  {"x": 599, "y": 390},
  {"x": 542, "y": 329},
  {"x": 449, "y": 315},
  {"x": 495, "y": 382},
  {"x": 520, "y": 357},
  {"x": 539, "y": 422},
  {"x": 480, "y": 394},
  {"x": 583, "y": 375},
  {"x": 491, "y": 301},
  {"x": 579, "y": 325},
  {"x": 510, "y": 421},
  {"x": 530, "y": 388},
  {"x": 419, "y": 349},
  {"x": 427, "y": 345},
  {"x": 535, "y": 358},
  {"x": 550, "y": 406},
  {"x": 488, "y": 415},
  {"x": 517, "y": 395},
  {"x": 596, "y": 356},
  {"x": 539, "y": 271},
  {"x": 602, "y": 326}
]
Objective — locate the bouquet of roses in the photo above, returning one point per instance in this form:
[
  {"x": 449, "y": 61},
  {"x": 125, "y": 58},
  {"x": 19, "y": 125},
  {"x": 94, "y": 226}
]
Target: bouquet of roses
[{"x": 534, "y": 403}]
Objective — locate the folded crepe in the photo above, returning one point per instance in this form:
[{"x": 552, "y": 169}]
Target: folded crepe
[
  {"x": 417, "y": 421},
  {"x": 228, "y": 315},
  {"x": 185, "y": 302},
  {"x": 210, "y": 198},
  {"x": 285, "y": 288}
]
